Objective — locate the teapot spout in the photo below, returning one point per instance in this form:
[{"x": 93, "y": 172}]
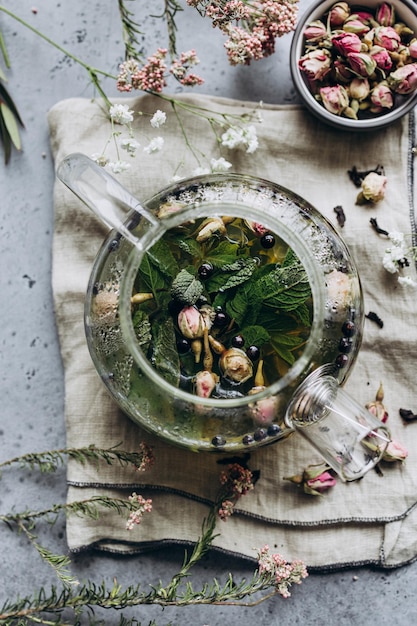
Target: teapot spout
[{"x": 103, "y": 194}]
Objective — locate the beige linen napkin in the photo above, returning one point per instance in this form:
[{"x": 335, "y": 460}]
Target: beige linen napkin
[{"x": 370, "y": 521}]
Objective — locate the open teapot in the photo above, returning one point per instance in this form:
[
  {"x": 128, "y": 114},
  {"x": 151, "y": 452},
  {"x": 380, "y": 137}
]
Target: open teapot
[{"x": 212, "y": 303}]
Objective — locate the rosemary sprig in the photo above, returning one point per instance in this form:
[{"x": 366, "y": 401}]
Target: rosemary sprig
[
  {"x": 171, "y": 8},
  {"x": 131, "y": 31},
  {"x": 50, "y": 460}
]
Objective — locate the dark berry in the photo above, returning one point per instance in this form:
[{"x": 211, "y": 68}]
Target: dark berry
[
  {"x": 273, "y": 429},
  {"x": 247, "y": 440},
  {"x": 348, "y": 329},
  {"x": 253, "y": 353},
  {"x": 342, "y": 360},
  {"x": 221, "y": 319},
  {"x": 218, "y": 441},
  {"x": 183, "y": 345},
  {"x": 238, "y": 341},
  {"x": 345, "y": 345},
  {"x": 205, "y": 270},
  {"x": 268, "y": 241},
  {"x": 260, "y": 434}
]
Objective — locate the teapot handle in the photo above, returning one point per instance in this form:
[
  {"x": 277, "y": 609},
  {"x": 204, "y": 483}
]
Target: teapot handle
[{"x": 103, "y": 194}]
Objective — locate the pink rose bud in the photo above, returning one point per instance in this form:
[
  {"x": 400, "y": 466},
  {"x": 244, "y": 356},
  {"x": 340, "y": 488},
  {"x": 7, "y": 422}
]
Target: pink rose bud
[
  {"x": 315, "y": 64},
  {"x": 191, "y": 322},
  {"x": 315, "y": 31},
  {"x": 381, "y": 57},
  {"x": 361, "y": 63},
  {"x": 338, "y": 14},
  {"x": 342, "y": 72},
  {"x": 321, "y": 483},
  {"x": 381, "y": 97},
  {"x": 365, "y": 17},
  {"x": 354, "y": 25},
  {"x": 412, "y": 48},
  {"x": 263, "y": 411},
  {"x": 205, "y": 382},
  {"x": 387, "y": 37},
  {"x": 394, "y": 452},
  {"x": 344, "y": 43},
  {"x": 404, "y": 79},
  {"x": 257, "y": 228},
  {"x": 335, "y": 99},
  {"x": 385, "y": 14},
  {"x": 359, "y": 89}
]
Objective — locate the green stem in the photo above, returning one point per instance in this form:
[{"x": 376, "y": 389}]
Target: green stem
[{"x": 92, "y": 71}]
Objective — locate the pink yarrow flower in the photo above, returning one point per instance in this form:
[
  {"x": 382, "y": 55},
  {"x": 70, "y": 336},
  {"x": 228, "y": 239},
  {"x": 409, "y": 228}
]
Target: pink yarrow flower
[{"x": 282, "y": 572}]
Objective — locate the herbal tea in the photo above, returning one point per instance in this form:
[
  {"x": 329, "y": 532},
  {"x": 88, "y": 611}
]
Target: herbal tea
[{"x": 221, "y": 307}]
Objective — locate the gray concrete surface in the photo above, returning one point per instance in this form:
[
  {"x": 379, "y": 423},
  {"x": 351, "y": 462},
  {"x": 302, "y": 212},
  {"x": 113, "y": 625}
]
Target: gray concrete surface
[{"x": 31, "y": 376}]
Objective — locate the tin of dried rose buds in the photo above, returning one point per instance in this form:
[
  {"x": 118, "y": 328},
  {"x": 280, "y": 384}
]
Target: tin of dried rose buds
[{"x": 354, "y": 64}]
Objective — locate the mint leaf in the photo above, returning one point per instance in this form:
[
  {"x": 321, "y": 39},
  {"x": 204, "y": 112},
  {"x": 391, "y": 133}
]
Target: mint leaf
[
  {"x": 165, "y": 355},
  {"x": 190, "y": 246},
  {"x": 142, "y": 328},
  {"x": 284, "y": 345},
  {"x": 255, "y": 335},
  {"x": 285, "y": 288},
  {"x": 244, "y": 306},
  {"x": 186, "y": 288},
  {"x": 231, "y": 275}
]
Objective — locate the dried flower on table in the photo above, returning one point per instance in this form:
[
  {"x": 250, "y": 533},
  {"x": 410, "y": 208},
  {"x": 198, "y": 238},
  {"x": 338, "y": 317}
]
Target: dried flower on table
[
  {"x": 374, "y": 317},
  {"x": 375, "y": 226},
  {"x": 394, "y": 451},
  {"x": 357, "y": 176},
  {"x": 236, "y": 481},
  {"x": 376, "y": 407},
  {"x": 407, "y": 415},
  {"x": 373, "y": 188},
  {"x": 340, "y": 215},
  {"x": 315, "y": 479},
  {"x": 276, "y": 567}
]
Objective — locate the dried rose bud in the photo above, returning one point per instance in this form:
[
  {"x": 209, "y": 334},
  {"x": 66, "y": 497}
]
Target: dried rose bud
[
  {"x": 205, "y": 383},
  {"x": 235, "y": 365},
  {"x": 381, "y": 57},
  {"x": 387, "y": 37},
  {"x": 315, "y": 479},
  {"x": 385, "y": 14},
  {"x": 342, "y": 72},
  {"x": 381, "y": 98},
  {"x": 412, "y": 49},
  {"x": 366, "y": 17},
  {"x": 263, "y": 411},
  {"x": 335, "y": 99},
  {"x": 346, "y": 43},
  {"x": 211, "y": 226},
  {"x": 394, "y": 452},
  {"x": 359, "y": 89},
  {"x": 376, "y": 407},
  {"x": 361, "y": 63},
  {"x": 373, "y": 188},
  {"x": 404, "y": 79},
  {"x": 354, "y": 25},
  {"x": 257, "y": 228},
  {"x": 315, "y": 64},
  {"x": 338, "y": 14},
  {"x": 191, "y": 322},
  {"x": 315, "y": 31}
]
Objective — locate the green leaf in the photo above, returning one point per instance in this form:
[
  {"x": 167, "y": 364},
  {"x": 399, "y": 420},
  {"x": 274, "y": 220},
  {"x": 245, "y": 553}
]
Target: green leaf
[
  {"x": 244, "y": 306},
  {"x": 161, "y": 257},
  {"x": 255, "y": 335},
  {"x": 11, "y": 125},
  {"x": 186, "y": 288},
  {"x": 284, "y": 346},
  {"x": 165, "y": 356},
  {"x": 231, "y": 275},
  {"x": 142, "y": 328},
  {"x": 285, "y": 288},
  {"x": 190, "y": 246},
  {"x": 5, "y": 96}
]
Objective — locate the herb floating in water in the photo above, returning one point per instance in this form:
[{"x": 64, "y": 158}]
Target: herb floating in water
[{"x": 231, "y": 308}]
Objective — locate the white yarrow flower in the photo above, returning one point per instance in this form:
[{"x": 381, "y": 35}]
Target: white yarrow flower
[
  {"x": 121, "y": 114},
  {"x": 246, "y": 137},
  {"x": 158, "y": 119},
  {"x": 220, "y": 165},
  {"x": 118, "y": 166},
  {"x": 407, "y": 281},
  {"x": 130, "y": 145},
  {"x": 155, "y": 145}
]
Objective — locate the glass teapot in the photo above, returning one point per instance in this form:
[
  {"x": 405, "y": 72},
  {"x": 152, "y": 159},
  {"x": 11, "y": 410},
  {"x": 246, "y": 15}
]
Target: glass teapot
[{"x": 210, "y": 304}]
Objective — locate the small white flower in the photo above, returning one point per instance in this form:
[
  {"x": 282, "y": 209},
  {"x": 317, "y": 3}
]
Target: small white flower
[
  {"x": 155, "y": 145},
  {"x": 397, "y": 239},
  {"x": 231, "y": 138},
  {"x": 100, "y": 159},
  {"x": 118, "y": 166},
  {"x": 130, "y": 145},
  {"x": 389, "y": 264},
  {"x": 121, "y": 114},
  {"x": 245, "y": 137},
  {"x": 220, "y": 165},
  {"x": 159, "y": 118},
  {"x": 251, "y": 140},
  {"x": 407, "y": 281}
]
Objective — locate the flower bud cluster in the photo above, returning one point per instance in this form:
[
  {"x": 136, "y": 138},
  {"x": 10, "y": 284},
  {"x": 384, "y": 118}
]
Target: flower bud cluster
[{"x": 358, "y": 63}]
